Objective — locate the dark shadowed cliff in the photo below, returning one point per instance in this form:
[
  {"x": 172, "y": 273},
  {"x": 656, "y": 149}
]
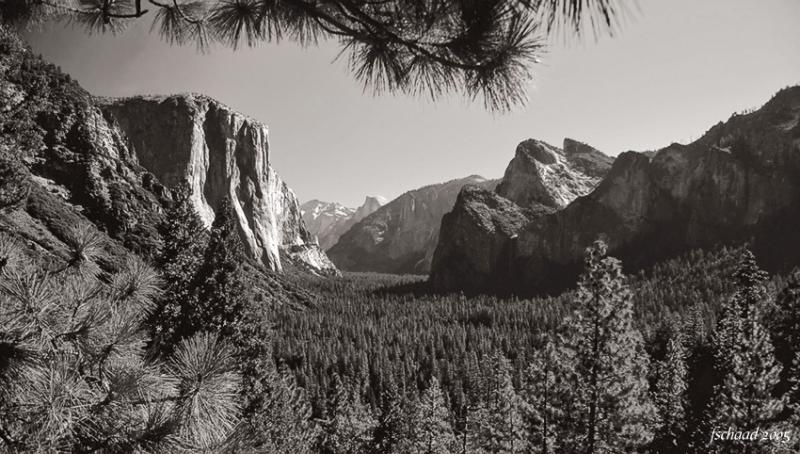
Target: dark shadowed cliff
[
  {"x": 400, "y": 236},
  {"x": 739, "y": 182}
]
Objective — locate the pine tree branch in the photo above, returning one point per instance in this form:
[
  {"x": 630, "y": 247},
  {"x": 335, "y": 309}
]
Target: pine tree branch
[{"x": 10, "y": 442}]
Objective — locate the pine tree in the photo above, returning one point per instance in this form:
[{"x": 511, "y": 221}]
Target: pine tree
[
  {"x": 482, "y": 48},
  {"x": 221, "y": 293},
  {"x": 502, "y": 428},
  {"x": 671, "y": 384},
  {"x": 349, "y": 424},
  {"x": 431, "y": 431},
  {"x": 793, "y": 404},
  {"x": 14, "y": 184},
  {"x": 547, "y": 398},
  {"x": 276, "y": 412},
  {"x": 612, "y": 406},
  {"x": 183, "y": 242},
  {"x": 73, "y": 373},
  {"x": 695, "y": 327},
  {"x": 745, "y": 362},
  {"x": 282, "y": 423},
  {"x": 391, "y": 425},
  {"x": 476, "y": 422},
  {"x": 786, "y": 325},
  {"x": 473, "y": 413}
]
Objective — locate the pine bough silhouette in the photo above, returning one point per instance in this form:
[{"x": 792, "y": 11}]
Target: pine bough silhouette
[{"x": 74, "y": 375}]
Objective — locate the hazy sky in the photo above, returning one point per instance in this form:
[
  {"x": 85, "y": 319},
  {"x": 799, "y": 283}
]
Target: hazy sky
[{"x": 676, "y": 68}]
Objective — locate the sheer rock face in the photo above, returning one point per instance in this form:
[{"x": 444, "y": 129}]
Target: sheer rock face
[
  {"x": 476, "y": 243},
  {"x": 370, "y": 205},
  {"x": 400, "y": 237},
  {"x": 220, "y": 153},
  {"x": 476, "y": 250},
  {"x": 739, "y": 182},
  {"x": 328, "y": 221}
]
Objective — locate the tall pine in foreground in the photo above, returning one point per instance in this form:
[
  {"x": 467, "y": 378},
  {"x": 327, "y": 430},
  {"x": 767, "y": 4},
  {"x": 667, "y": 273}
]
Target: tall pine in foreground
[
  {"x": 183, "y": 243},
  {"x": 793, "y": 403},
  {"x": 74, "y": 376},
  {"x": 612, "y": 407},
  {"x": 746, "y": 364},
  {"x": 221, "y": 292},
  {"x": 671, "y": 383},
  {"x": 786, "y": 327},
  {"x": 282, "y": 421}
]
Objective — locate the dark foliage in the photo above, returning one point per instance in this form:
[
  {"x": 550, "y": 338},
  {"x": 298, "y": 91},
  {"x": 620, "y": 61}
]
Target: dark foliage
[
  {"x": 14, "y": 184},
  {"x": 220, "y": 294},
  {"x": 73, "y": 371},
  {"x": 183, "y": 243},
  {"x": 52, "y": 130},
  {"x": 367, "y": 330},
  {"x": 785, "y": 322},
  {"x": 481, "y": 48},
  {"x": 359, "y": 320}
]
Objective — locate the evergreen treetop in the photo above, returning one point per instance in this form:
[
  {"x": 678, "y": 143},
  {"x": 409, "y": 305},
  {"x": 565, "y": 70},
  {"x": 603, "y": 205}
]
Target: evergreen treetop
[
  {"x": 481, "y": 48},
  {"x": 613, "y": 408}
]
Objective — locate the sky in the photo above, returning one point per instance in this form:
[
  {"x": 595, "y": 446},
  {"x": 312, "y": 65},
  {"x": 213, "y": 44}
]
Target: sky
[{"x": 673, "y": 70}]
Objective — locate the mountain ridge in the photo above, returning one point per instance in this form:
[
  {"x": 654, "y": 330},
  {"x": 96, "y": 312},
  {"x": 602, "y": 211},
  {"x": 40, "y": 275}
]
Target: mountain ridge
[
  {"x": 220, "y": 153},
  {"x": 400, "y": 236},
  {"x": 67, "y": 147},
  {"x": 739, "y": 182},
  {"x": 328, "y": 221}
]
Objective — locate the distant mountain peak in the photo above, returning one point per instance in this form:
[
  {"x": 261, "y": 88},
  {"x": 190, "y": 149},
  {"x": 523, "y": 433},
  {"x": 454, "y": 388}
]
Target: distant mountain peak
[
  {"x": 379, "y": 199},
  {"x": 329, "y": 220},
  {"x": 400, "y": 236}
]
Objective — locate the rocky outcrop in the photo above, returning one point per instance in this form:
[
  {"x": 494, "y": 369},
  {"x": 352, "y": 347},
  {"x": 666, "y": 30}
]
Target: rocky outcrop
[
  {"x": 476, "y": 240},
  {"x": 541, "y": 174},
  {"x": 370, "y": 205},
  {"x": 66, "y": 171},
  {"x": 400, "y": 237},
  {"x": 586, "y": 159},
  {"x": 476, "y": 250},
  {"x": 114, "y": 160},
  {"x": 70, "y": 166},
  {"x": 739, "y": 182},
  {"x": 221, "y": 153},
  {"x": 328, "y": 221}
]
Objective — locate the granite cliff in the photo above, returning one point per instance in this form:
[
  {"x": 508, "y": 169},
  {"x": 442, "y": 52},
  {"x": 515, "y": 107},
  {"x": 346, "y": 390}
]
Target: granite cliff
[
  {"x": 541, "y": 174},
  {"x": 221, "y": 153},
  {"x": 476, "y": 246},
  {"x": 400, "y": 236},
  {"x": 370, "y": 205},
  {"x": 740, "y": 182},
  {"x": 68, "y": 159}
]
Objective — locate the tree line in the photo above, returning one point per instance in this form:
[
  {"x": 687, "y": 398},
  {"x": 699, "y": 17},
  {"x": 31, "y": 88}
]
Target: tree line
[{"x": 180, "y": 355}]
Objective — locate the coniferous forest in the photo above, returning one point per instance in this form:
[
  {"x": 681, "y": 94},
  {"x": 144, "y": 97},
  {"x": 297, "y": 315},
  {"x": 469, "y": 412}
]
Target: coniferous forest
[
  {"x": 161, "y": 293},
  {"x": 156, "y": 358}
]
